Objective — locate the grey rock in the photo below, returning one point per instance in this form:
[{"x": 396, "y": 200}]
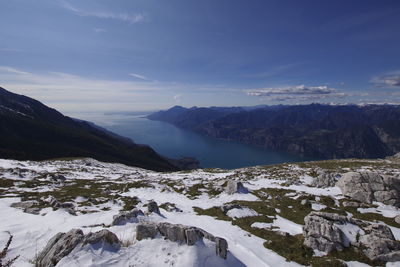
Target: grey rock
[
  {"x": 23, "y": 204},
  {"x": 221, "y": 247},
  {"x": 62, "y": 244},
  {"x": 173, "y": 232},
  {"x": 192, "y": 235},
  {"x": 371, "y": 186},
  {"x": 227, "y": 207},
  {"x": 351, "y": 204},
  {"x": 126, "y": 216},
  {"x": 379, "y": 243},
  {"x": 58, "y": 247},
  {"x": 180, "y": 233},
  {"x": 233, "y": 187},
  {"x": 34, "y": 211},
  {"x": 170, "y": 207},
  {"x": 68, "y": 206},
  {"x": 104, "y": 237},
  {"x": 27, "y": 206},
  {"x": 146, "y": 230},
  {"x": 322, "y": 233},
  {"x": 153, "y": 207},
  {"x": 324, "y": 180}
]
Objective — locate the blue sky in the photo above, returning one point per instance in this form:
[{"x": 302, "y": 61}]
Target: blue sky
[{"x": 123, "y": 55}]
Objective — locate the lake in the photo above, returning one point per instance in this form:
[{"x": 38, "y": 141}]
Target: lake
[{"x": 173, "y": 142}]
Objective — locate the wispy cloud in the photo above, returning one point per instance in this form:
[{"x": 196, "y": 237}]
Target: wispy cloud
[
  {"x": 130, "y": 18},
  {"x": 69, "y": 92},
  {"x": 99, "y": 30},
  {"x": 138, "y": 76},
  {"x": 299, "y": 92},
  {"x": 177, "y": 98},
  {"x": 389, "y": 80}
]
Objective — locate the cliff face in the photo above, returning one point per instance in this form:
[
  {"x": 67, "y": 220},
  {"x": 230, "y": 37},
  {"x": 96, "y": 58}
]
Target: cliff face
[{"x": 310, "y": 130}]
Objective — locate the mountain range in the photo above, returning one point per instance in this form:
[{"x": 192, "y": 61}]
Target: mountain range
[
  {"x": 29, "y": 130},
  {"x": 314, "y": 130}
]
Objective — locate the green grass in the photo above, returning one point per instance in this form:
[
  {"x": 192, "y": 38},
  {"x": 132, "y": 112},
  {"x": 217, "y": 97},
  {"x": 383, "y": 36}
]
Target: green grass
[{"x": 6, "y": 183}]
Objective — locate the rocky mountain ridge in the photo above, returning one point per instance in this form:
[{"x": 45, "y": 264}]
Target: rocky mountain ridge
[{"x": 317, "y": 131}]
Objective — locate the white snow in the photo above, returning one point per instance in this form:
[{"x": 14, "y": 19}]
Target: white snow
[
  {"x": 281, "y": 224},
  {"x": 350, "y": 231},
  {"x": 318, "y": 206},
  {"x": 241, "y": 213}
]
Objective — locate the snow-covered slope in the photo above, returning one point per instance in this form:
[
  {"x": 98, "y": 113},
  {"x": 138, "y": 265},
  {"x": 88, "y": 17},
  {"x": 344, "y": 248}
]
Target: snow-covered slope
[{"x": 278, "y": 199}]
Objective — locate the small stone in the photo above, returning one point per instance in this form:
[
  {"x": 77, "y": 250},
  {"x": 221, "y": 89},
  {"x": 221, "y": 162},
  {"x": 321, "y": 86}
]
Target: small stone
[
  {"x": 233, "y": 187},
  {"x": 153, "y": 207}
]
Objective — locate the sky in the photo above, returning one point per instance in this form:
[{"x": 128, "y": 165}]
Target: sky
[{"x": 134, "y": 55}]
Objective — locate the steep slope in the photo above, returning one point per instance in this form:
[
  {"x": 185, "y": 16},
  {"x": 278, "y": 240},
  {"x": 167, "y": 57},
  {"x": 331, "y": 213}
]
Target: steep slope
[
  {"x": 321, "y": 131},
  {"x": 30, "y": 130}
]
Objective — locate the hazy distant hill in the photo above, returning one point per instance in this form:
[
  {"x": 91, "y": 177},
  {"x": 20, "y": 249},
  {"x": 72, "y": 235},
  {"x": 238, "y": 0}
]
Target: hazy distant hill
[
  {"x": 315, "y": 130},
  {"x": 30, "y": 130}
]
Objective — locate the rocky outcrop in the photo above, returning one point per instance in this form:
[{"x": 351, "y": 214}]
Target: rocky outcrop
[
  {"x": 103, "y": 237},
  {"x": 371, "y": 186},
  {"x": 180, "y": 233},
  {"x": 325, "y": 179},
  {"x": 233, "y": 187},
  {"x": 146, "y": 230},
  {"x": 379, "y": 243},
  {"x": 322, "y": 232},
  {"x": 27, "y": 207},
  {"x": 62, "y": 244},
  {"x": 328, "y": 232},
  {"x": 58, "y": 247},
  {"x": 126, "y": 216}
]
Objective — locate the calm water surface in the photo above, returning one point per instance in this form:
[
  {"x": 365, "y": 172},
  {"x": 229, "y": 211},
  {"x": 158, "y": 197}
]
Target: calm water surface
[{"x": 173, "y": 142}]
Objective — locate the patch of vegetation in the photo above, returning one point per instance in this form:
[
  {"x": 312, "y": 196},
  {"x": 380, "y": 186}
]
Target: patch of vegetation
[
  {"x": 288, "y": 246},
  {"x": 352, "y": 164},
  {"x": 194, "y": 191},
  {"x": 215, "y": 212},
  {"x": 6, "y": 183},
  {"x": 177, "y": 187},
  {"x": 290, "y": 208},
  {"x": 130, "y": 202},
  {"x": 369, "y": 216}
]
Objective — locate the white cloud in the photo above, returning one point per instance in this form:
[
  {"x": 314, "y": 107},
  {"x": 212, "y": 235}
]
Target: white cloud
[
  {"x": 141, "y": 77},
  {"x": 130, "y": 18},
  {"x": 177, "y": 98},
  {"x": 299, "y": 92},
  {"x": 71, "y": 93},
  {"x": 99, "y": 30},
  {"x": 389, "y": 80}
]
